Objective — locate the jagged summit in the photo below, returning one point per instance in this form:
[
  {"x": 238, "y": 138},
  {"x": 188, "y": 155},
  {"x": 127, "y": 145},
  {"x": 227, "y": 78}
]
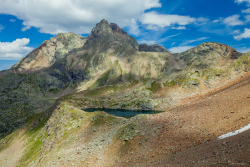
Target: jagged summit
[
  {"x": 152, "y": 48},
  {"x": 104, "y": 33},
  {"x": 104, "y": 27},
  {"x": 100, "y": 29},
  {"x": 116, "y": 29}
]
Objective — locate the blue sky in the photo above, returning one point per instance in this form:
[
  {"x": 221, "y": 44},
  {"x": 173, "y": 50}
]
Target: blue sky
[{"x": 178, "y": 25}]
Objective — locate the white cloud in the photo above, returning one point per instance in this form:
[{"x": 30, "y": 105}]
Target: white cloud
[
  {"x": 179, "y": 28},
  {"x": 218, "y": 20},
  {"x": 1, "y": 28},
  {"x": 148, "y": 42},
  {"x": 243, "y": 49},
  {"x": 154, "y": 20},
  {"x": 202, "y": 19},
  {"x": 134, "y": 28},
  {"x": 54, "y": 16},
  {"x": 235, "y": 32},
  {"x": 173, "y": 44},
  {"x": 246, "y": 34},
  {"x": 246, "y": 10},
  {"x": 157, "y": 41},
  {"x": 240, "y": 1},
  {"x": 233, "y": 20},
  {"x": 248, "y": 4},
  {"x": 194, "y": 40},
  {"x": 247, "y": 17},
  {"x": 14, "y": 50},
  {"x": 12, "y": 20},
  {"x": 180, "y": 49}
]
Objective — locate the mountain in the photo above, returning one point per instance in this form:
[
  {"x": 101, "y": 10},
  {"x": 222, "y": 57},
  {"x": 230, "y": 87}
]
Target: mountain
[
  {"x": 47, "y": 53},
  {"x": 152, "y": 48},
  {"x": 43, "y": 96}
]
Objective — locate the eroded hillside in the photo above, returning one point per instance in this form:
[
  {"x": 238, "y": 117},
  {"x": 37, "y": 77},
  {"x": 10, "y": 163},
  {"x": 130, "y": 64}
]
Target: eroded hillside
[{"x": 202, "y": 92}]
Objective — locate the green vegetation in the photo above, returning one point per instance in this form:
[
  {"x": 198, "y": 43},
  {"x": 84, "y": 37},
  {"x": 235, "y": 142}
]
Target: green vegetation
[
  {"x": 99, "y": 118},
  {"x": 54, "y": 90},
  {"x": 127, "y": 132},
  {"x": 34, "y": 143},
  {"x": 155, "y": 86},
  {"x": 72, "y": 62},
  {"x": 102, "y": 90}
]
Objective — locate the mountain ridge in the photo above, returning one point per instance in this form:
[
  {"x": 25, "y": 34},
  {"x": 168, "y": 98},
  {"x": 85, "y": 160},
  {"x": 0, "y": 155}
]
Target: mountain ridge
[{"x": 109, "y": 69}]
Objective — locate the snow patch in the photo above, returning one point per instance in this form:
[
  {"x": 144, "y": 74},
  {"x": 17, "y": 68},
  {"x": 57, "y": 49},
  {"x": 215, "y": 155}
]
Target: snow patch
[{"x": 235, "y": 132}]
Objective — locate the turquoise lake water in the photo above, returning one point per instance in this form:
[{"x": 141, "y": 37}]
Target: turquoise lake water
[{"x": 123, "y": 113}]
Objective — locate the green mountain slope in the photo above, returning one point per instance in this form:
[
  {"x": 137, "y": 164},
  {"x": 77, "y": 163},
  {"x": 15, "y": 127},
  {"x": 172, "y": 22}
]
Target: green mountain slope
[{"x": 109, "y": 69}]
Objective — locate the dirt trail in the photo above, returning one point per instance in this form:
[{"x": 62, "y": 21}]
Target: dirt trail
[{"x": 11, "y": 155}]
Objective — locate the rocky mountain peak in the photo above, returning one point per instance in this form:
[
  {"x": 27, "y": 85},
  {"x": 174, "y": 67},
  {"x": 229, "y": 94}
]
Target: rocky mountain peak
[
  {"x": 209, "y": 54},
  {"x": 116, "y": 29},
  {"x": 109, "y": 33},
  {"x": 152, "y": 48},
  {"x": 48, "y": 53},
  {"x": 217, "y": 47},
  {"x": 101, "y": 28}
]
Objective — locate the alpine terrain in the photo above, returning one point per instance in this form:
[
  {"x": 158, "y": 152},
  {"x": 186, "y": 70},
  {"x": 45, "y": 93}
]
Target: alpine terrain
[{"x": 203, "y": 93}]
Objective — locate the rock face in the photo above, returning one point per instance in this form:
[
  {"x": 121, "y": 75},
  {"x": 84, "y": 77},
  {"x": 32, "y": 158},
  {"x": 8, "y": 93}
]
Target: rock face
[
  {"x": 209, "y": 54},
  {"x": 111, "y": 34},
  {"x": 152, "y": 48}
]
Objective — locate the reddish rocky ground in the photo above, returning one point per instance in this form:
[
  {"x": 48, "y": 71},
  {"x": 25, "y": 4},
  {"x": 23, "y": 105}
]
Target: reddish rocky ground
[{"x": 186, "y": 135}]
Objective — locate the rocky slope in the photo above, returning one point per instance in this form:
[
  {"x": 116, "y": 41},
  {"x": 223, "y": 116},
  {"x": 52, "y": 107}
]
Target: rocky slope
[
  {"x": 48, "y": 88},
  {"x": 152, "y": 48},
  {"x": 47, "y": 53}
]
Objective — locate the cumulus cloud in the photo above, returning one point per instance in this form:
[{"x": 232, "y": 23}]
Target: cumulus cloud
[
  {"x": 233, "y": 20},
  {"x": 180, "y": 49},
  {"x": 12, "y": 20},
  {"x": 179, "y": 28},
  {"x": 154, "y": 20},
  {"x": 134, "y": 28},
  {"x": 194, "y": 40},
  {"x": 245, "y": 34},
  {"x": 55, "y": 16},
  {"x": 14, "y": 50}
]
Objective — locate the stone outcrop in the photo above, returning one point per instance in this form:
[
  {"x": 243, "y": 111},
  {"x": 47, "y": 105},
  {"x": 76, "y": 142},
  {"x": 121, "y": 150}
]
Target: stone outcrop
[
  {"x": 152, "y": 48},
  {"x": 111, "y": 34},
  {"x": 209, "y": 54}
]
